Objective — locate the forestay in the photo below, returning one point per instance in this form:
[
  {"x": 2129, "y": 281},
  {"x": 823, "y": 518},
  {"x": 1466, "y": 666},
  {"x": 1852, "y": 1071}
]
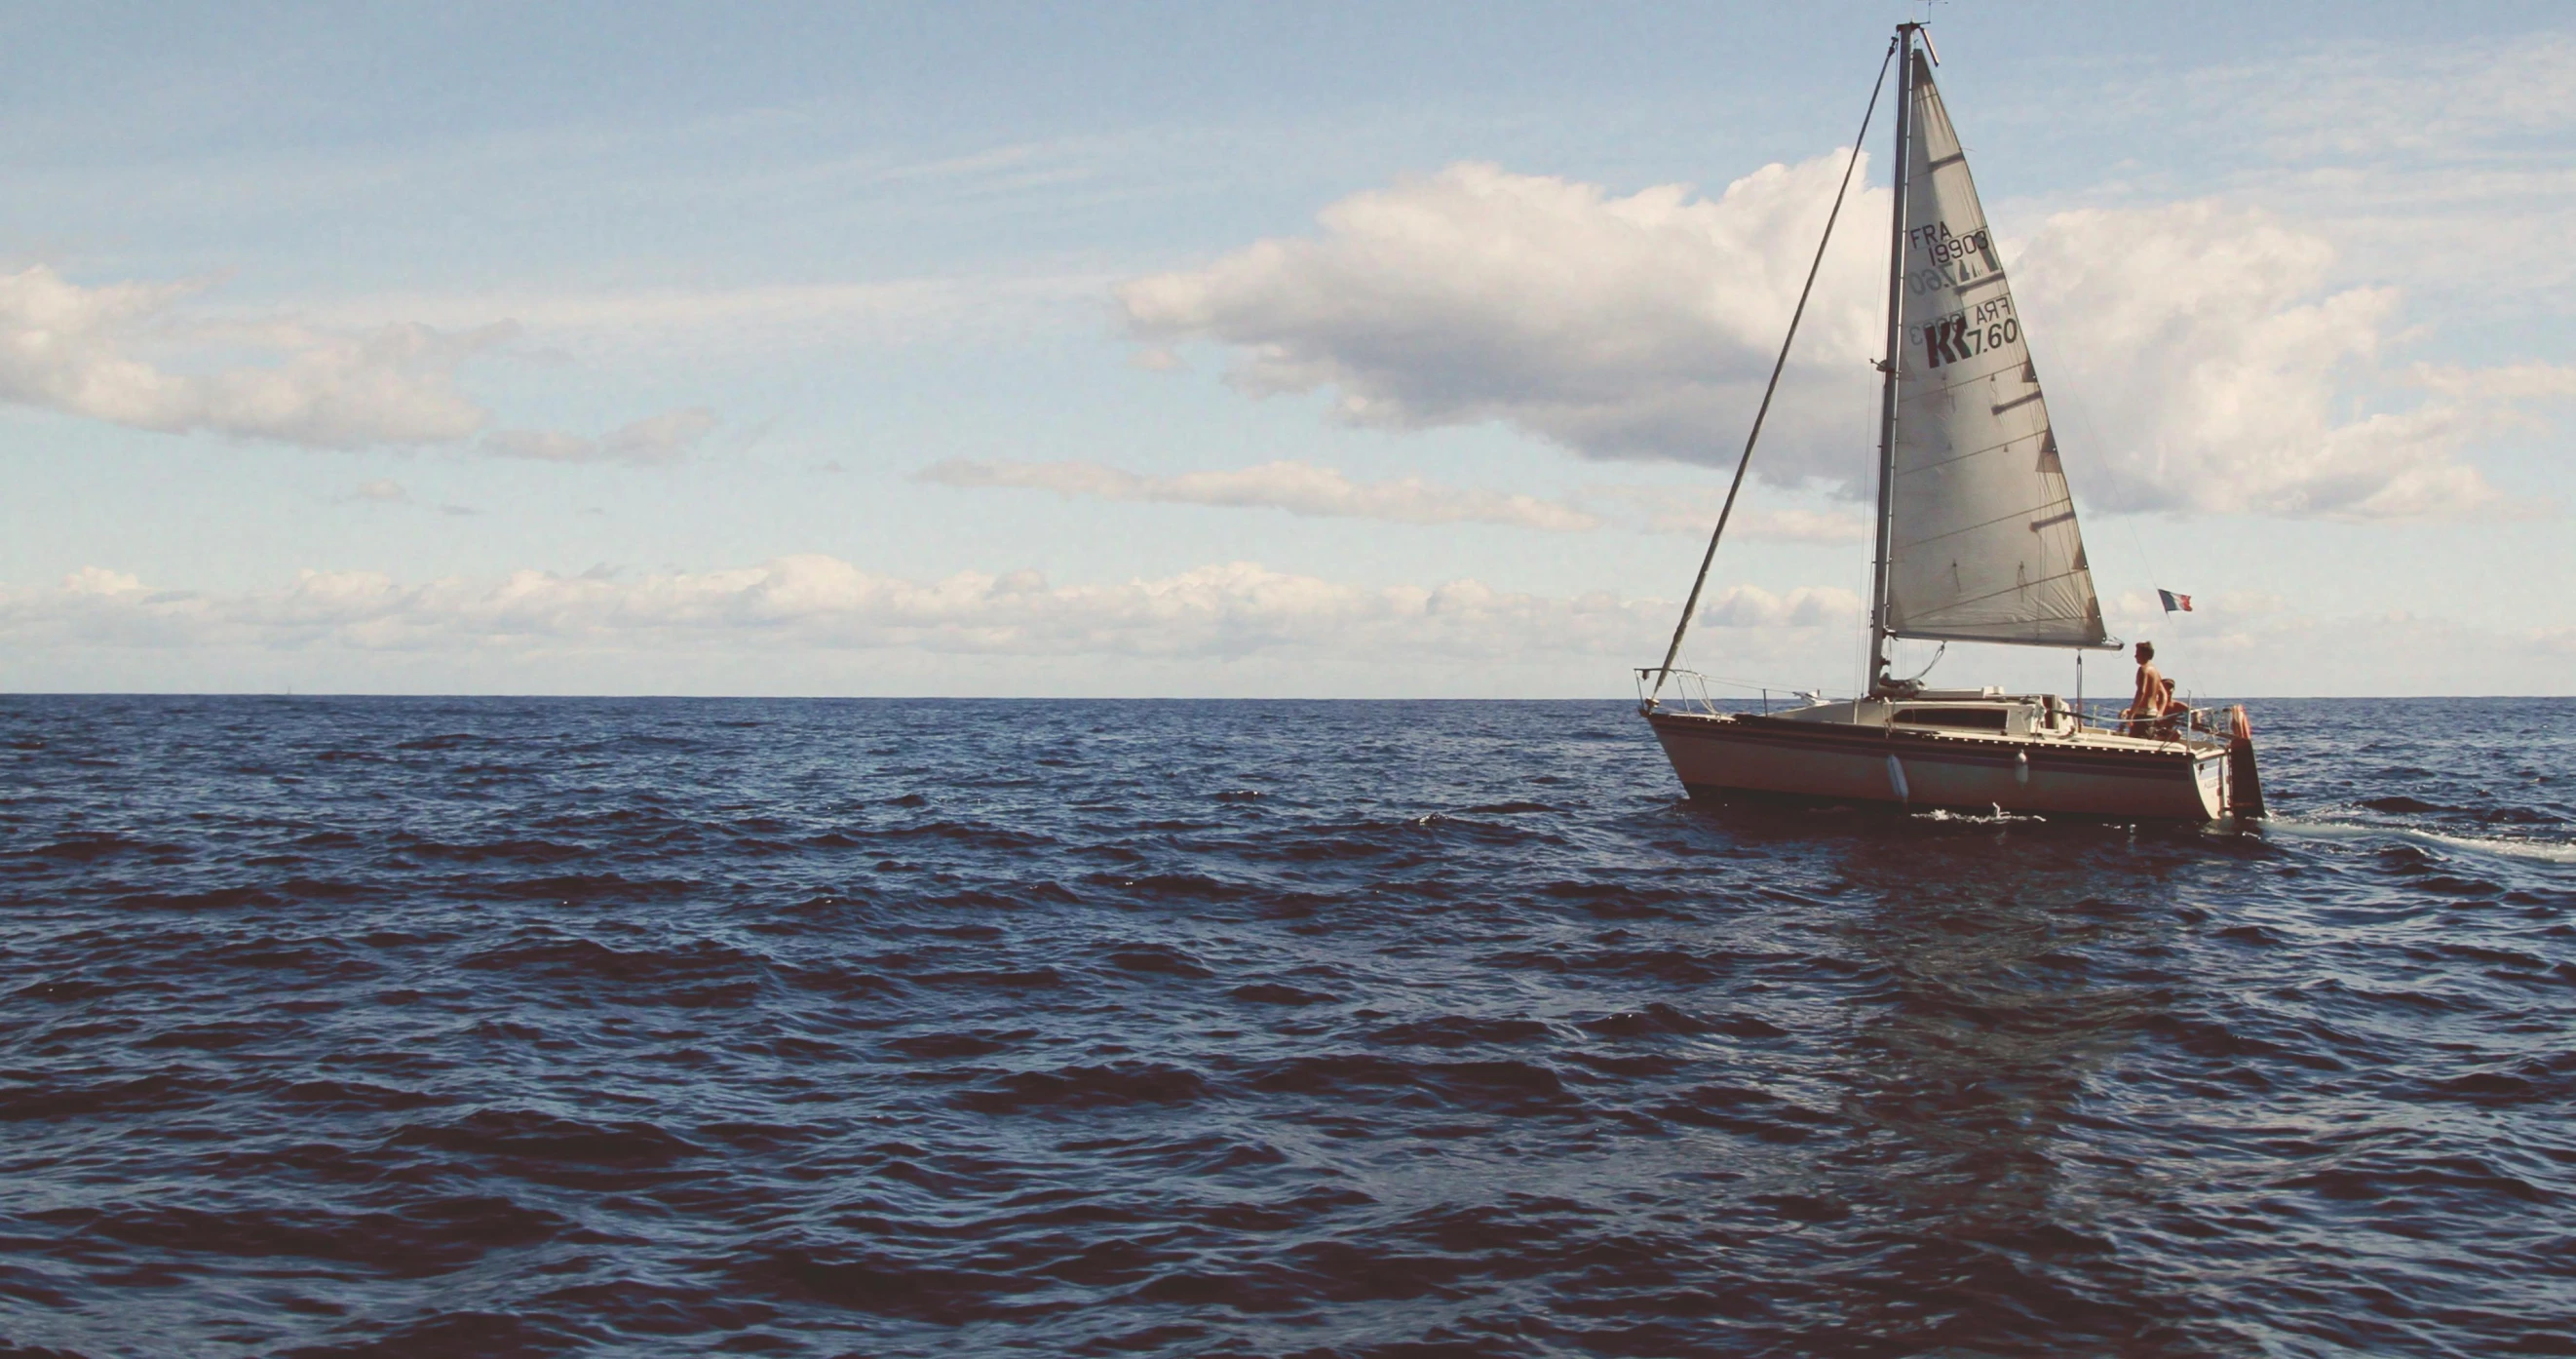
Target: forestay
[{"x": 1982, "y": 542}]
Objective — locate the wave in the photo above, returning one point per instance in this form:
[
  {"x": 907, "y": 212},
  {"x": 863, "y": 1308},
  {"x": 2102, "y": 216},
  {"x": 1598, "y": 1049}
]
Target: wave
[
  {"x": 2512, "y": 847},
  {"x": 1118, "y": 1085},
  {"x": 858, "y": 1028}
]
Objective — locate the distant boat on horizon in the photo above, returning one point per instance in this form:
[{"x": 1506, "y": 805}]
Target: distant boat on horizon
[{"x": 1976, "y": 541}]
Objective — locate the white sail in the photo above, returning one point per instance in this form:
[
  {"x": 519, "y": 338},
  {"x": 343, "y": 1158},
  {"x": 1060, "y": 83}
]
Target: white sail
[{"x": 1982, "y": 543}]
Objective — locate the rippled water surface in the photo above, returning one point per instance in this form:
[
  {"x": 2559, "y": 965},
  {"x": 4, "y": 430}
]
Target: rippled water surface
[{"x": 494, "y": 1027}]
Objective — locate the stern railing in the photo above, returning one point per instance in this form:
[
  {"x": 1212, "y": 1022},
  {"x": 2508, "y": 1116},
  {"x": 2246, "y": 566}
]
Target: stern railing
[{"x": 2183, "y": 724}]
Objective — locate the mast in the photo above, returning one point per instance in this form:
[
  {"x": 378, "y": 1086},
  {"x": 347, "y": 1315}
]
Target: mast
[{"x": 1895, "y": 336}]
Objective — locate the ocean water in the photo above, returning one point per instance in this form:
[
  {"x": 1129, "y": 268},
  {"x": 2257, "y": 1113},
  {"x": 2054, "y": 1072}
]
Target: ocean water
[{"x": 504, "y": 1027}]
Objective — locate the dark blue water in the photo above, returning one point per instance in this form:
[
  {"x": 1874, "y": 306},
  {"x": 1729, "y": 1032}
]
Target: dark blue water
[{"x": 498, "y": 1027}]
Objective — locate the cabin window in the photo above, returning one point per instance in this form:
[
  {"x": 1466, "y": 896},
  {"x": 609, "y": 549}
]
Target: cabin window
[{"x": 1971, "y": 719}]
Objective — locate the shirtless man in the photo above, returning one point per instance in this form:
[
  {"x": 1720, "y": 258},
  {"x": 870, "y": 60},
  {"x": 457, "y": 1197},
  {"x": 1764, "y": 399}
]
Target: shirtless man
[{"x": 2148, "y": 703}]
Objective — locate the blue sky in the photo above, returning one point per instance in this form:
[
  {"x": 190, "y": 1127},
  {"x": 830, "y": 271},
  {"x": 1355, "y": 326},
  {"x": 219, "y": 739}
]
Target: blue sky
[{"x": 1236, "y": 350}]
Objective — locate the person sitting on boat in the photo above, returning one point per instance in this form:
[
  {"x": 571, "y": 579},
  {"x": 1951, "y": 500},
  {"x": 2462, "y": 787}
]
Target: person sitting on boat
[
  {"x": 2148, "y": 702},
  {"x": 2169, "y": 712}
]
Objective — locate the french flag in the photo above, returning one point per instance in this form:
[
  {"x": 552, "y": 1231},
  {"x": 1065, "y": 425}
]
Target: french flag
[{"x": 2175, "y": 603}]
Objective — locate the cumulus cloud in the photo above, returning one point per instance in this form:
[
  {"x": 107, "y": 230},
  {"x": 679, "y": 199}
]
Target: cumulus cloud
[
  {"x": 1297, "y": 487},
  {"x": 785, "y": 612},
  {"x": 658, "y": 441},
  {"x": 81, "y": 351},
  {"x": 820, "y": 602},
  {"x": 1618, "y": 327},
  {"x": 94, "y": 352},
  {"x": 2207, "y": 353},
  {"x": 2208, "y": 343}
]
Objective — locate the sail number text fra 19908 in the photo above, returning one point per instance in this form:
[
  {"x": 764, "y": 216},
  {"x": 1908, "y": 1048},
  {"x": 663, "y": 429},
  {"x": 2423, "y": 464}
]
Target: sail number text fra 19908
[{"x": 1937, "y": 241}]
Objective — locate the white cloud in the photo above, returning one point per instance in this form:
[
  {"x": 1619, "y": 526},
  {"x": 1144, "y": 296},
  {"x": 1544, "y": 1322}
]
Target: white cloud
[
  {"x": 2206, "y": 343},
  {"x": 1617, "y": 327},
  {"x": 2208, "y": 356},
  {"x": 86, "y": 352},
  {"x": 656, "y": 441},
  {"x": 817, "y": 602},
  {"x": 603, "y": 631},
  {"x": 1299, "y": 488},
  {"x": 79, "y": 350}
]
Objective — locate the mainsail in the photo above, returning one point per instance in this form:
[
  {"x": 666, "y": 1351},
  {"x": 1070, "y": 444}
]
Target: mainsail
[{"x": 1981, "y": 537}]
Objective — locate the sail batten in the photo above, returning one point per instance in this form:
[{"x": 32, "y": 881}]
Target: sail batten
[
  {"x": 1981, "y": 540},
  {"x": 2034, "y": 582},
  {"x": 2036, "y": 525}
]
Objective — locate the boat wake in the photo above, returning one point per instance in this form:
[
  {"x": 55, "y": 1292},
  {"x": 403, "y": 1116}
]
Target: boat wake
[
  {"x": 1997, "y": 817},
  {"x": 2512, "y": 847}
]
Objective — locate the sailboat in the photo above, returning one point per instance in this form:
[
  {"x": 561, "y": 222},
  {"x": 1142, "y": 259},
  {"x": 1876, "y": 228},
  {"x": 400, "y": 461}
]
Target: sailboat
[{"x": 1976, "y": 541}]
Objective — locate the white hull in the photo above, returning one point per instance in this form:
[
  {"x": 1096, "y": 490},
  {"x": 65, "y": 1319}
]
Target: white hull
[{"x": 2084, "y": 773}]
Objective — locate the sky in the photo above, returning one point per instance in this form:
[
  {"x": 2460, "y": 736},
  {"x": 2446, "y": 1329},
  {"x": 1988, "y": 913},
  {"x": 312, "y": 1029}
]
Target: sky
[{"x": 1243, "y": 350}]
